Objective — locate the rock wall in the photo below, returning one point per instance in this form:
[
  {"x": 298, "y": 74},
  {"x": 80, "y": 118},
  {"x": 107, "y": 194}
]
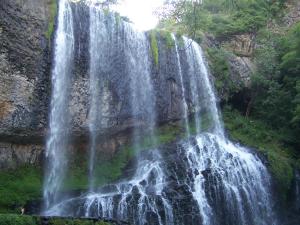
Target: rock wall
[
  {"x": 24, "y": 79},
  {"x": 293, "y": 16},
  {"x": 25, "y": 83}
]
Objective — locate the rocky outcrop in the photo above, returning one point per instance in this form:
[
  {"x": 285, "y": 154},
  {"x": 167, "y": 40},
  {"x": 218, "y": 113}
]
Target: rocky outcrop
[
  {"x": 24, "y": 69},
  {"x": 238, "y": 57},
  {"x": 25, "y": 80},
  {"x": 241, "y": 66},
  {"x": 17, "y": 155},
  {"x": 241, "y": 69},
  {"x": 293, "y": 16}
]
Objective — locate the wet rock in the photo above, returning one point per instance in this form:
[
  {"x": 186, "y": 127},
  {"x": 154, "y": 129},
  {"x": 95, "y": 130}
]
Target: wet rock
[{"x": 16, "y": 155}]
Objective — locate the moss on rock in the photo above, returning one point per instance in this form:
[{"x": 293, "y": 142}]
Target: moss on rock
[
  {"x": 52, "y": 15},
  {"x": 154, "y": 46}
]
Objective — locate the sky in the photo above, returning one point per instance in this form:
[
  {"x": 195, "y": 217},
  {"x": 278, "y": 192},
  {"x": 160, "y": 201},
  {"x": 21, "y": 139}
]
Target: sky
[{"x": 140, "y": 12}]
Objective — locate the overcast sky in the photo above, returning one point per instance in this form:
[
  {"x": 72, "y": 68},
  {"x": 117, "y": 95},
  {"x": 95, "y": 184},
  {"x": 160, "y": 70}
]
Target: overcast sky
[{"x": 140, "y": 12}]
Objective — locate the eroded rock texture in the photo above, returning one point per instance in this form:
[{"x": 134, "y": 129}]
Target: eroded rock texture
[{"x": 24, "y": 77}]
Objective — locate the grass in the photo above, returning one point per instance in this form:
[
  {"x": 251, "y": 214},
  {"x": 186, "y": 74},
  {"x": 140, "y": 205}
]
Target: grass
[
  {"x": 256, "y": 134},
  {"x": 52, "y": 12}
]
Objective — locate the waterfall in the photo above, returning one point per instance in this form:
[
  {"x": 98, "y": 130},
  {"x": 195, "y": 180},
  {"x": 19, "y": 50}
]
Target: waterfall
[
  {"x": 98, "y": 40},
  {"x": 57, "y": 143},
  {"x": 203, "y": 179},
  {"x": 142, "y": 101},
  {"x": 222, "y": 171}
]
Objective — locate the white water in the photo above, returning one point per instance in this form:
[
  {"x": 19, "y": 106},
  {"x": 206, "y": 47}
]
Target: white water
[
  {"x": 244, "y": 180},
  {"x": 57, "y": 143},
  {"x": 98, "y": 38},
  {"x": 202, "y": 91},
  {"x": 183, "y": 91}
]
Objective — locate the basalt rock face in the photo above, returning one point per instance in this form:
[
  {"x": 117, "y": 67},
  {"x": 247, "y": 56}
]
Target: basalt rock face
[
  {"x": 116, "y": 72},
  {"x": 24, "y": 79},
  {"x": 293, "y": 16},
  {"x": 240, "y": 60},
  {"x": 116, "y": 112}
]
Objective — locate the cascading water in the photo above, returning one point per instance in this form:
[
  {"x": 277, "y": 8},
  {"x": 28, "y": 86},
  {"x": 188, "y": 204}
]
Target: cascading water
[
  {"x": 142, "y": 102},
  {"x": 183, "y": 91},
  {"x": 203, "y": 179},
  {"x": 57, "y": 143},
  {"x": 222, "y": 171}
]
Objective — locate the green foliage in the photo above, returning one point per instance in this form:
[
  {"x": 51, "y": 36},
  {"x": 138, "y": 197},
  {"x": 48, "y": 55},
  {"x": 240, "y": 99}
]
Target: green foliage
[
  {"x": 154, "y": 46},
  {"x": 257, "y": 134},
  {"x": 276, "y": 84},
  {"x": 223, "y": 18},
  {"x": 52, "y": 12},
  {"x": 75, "y": 222},
  {"x": 12, "y": 219},
  {"x": 19, "y": 186}
]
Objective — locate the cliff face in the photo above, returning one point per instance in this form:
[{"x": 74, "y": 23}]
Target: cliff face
[
  {"x": 24, "y": 79},
  {"x": 25, "y": 83}
]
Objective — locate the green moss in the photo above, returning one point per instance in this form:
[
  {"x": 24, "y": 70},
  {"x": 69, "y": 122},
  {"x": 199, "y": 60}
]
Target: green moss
[
  {"x": 154, "y": 46},
  {"x": 254, "y": 133},
  {"x": 167, "y": 37},
  {"x": 118, "y": 19},
  {"x": 180, "y": 41},
  {"x": 19, "y": 186},
  {"x": 106, "y": 12},
  {"x": 111, "y": 170},
  {"x": 53, "y": 12}
]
